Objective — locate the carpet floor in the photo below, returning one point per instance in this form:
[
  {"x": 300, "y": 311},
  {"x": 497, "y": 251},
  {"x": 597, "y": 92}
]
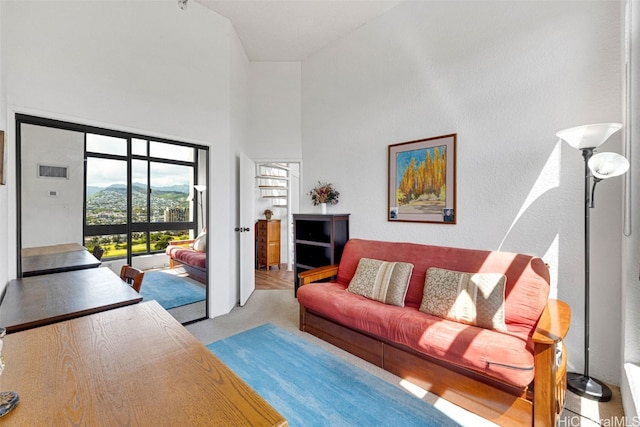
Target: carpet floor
[
  {"x": 280, "y": 308},
  {"x": 169, "y": 290},
  {"x": 311, "y": 387}
]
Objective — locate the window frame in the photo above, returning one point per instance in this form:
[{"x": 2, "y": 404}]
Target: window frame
[{"x": 129, "y": 228}]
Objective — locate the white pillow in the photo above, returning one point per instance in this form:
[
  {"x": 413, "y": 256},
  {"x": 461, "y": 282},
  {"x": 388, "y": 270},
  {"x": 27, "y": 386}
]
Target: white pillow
[{"x": 200, "y": 243}]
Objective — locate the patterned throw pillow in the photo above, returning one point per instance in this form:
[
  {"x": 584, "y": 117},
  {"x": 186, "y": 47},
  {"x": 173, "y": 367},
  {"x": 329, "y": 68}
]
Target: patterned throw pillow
[
  {"x": 382, "y": 281},
  {"x": 470, "y": 298}
]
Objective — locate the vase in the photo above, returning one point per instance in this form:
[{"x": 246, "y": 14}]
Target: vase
[{"x": 323, "y": 207}]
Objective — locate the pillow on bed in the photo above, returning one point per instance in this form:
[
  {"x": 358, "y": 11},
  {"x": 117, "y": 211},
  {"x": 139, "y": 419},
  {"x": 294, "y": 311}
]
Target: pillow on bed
[
  {"x": 471, "y": 298},
  {"x": 200, "y": 242},
  {"x": 382, "y": 281}
]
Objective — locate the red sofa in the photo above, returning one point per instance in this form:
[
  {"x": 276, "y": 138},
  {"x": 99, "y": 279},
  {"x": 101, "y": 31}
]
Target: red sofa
[
  {"x": 182, "y": 253},
  {"x": 512, "y": 377}
]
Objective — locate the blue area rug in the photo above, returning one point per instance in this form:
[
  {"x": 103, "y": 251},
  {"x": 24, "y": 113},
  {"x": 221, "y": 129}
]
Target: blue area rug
[
  {"x": 170, "y": 290},
  {"x": 312, "y": 387}
]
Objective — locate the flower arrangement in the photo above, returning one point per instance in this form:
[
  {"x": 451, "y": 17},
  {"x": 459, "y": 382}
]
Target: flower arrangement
[{"x": 324, "y": 193}]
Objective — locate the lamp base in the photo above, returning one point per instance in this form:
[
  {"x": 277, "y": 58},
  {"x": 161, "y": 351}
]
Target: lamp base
[{"x": 588, "y": 387}]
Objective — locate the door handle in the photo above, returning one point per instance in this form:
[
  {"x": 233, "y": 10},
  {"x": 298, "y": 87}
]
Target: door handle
[{"x": 242, "y": 229}]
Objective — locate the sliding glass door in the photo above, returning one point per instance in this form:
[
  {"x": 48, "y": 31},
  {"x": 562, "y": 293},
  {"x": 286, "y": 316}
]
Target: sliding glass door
[{"x": 127, "y": 193}]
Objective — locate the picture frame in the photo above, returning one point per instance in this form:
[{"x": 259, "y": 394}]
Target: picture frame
[
  {"x": 2, "y": 158},
  {"x": 422, "y": 181}
]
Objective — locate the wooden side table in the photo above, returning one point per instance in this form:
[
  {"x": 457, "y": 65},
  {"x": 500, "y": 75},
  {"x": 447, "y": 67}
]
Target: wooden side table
[{"x": 268, "y": 243}]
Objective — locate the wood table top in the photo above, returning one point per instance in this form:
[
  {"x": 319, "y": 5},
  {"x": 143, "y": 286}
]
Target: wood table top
[
  {"x": 35, "y": 301},
  {"x": 52, "y": 249},
  {"x": 56, "y": 259},
  {"x": 134, "y": 365}
]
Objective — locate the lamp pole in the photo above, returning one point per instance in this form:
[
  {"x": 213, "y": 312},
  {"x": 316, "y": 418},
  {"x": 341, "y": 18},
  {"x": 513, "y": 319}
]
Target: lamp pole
[
  {"x": 201, "y": 189},
  {"x": 583, "y": 384},
  {"x": 201, "y": 207},
  {"x": 586, "y": 154},
  {"x": 599, "y": 166}
]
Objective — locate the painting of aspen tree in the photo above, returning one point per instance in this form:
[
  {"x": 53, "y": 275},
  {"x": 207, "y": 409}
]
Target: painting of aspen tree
[{"x": 422, "y": 180}]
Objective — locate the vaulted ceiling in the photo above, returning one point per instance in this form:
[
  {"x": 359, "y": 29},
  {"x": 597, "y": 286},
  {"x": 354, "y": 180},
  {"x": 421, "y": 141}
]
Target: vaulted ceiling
[{"x": 291, "y": 30}]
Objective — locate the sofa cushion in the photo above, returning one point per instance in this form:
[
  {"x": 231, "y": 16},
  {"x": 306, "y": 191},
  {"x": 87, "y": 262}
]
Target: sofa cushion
[
  {"x": 382, "y": 281},
  {"x": 188, "y": 256},
  {"x": 503, "y": 356},
  {"x": 526, "y": 290},
  {"x": 471, "y": 298}
]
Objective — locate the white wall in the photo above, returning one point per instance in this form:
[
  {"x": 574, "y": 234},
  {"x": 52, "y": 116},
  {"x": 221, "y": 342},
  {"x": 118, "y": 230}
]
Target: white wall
[
  {"x": 47, "y": 219},
  {"x": 135, "y": 66},
  {"x": 275, "y": 114},
  {"x": 630, "y": 384},
  {"x": 4, "y": 190},
  {"x": 504, "y": 76},
  {"x": 275, "y": 129},
  {"x": 239, "y": 140}
]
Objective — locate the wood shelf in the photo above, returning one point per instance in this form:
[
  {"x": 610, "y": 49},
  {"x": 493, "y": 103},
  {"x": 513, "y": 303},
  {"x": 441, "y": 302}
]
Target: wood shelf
[{"x": 319, "y": 240}]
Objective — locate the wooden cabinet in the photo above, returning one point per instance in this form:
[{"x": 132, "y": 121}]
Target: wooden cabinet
[
  {"x": 268, "y": 243},
  {"x": 319, "y": 240}
]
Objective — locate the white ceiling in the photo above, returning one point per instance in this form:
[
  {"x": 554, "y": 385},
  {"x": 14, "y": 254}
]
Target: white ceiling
[{"x": 291, "y": 30}]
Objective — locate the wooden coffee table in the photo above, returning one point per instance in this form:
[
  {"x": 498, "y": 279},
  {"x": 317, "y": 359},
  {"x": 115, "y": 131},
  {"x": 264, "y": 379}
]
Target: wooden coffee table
[{"x": 134, "y": 365}]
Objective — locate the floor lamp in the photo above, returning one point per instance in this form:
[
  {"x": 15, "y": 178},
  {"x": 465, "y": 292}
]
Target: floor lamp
[
  {"x": 201, "y": 189},
  {"x": 597, "y": 167}
]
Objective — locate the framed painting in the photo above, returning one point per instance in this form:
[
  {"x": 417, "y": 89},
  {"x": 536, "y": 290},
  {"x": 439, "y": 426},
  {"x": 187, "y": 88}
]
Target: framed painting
[{"x": 422, "y": 180}]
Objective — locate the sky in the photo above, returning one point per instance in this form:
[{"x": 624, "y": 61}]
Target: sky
[{"x": 106, "y": 172}]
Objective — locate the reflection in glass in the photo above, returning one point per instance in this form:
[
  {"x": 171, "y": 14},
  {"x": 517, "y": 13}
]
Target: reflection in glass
[
  {"x": 140, "y": 191},
  {"x": 170, "y": 190},
  {"x": 106, "y": 191},
  {"x": 139, "y": 147},
  {"x": 114, "y": 245},
  {"x": 171, "y": 151},
  {"x": 106, "y": 144}
]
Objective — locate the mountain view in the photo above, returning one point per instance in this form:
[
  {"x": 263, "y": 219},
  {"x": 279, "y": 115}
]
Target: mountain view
[{"x": 109, "y": 205}]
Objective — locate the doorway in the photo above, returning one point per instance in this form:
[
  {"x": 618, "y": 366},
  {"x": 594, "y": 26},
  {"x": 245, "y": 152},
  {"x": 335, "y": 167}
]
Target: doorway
[{"x": 277, "y": 197}]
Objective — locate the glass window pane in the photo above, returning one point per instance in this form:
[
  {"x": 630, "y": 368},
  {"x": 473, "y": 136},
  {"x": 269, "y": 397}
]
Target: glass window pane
[
  {"x": 106, "y": 191},
  {"x": 139, "y": 147},
  {"x": 140, "y": 189},
  {"x": 170, "y": 151},
  {"x": 114, "y": 245},
  {"x": 170, "y": 192},
  {"x": 106, "y": 144},
  {"x": 160, "y": 239},
  {"x": 138, "y": 242}
]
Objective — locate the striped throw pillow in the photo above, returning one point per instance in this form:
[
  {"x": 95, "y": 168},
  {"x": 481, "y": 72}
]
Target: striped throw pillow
[{"x": 382, "y": 281}]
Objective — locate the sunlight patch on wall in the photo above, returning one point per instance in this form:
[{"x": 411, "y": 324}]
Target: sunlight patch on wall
[{"x": 548, "y": 179}]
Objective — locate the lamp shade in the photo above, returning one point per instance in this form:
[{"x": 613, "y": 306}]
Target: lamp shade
[
  {"x": 200, "y": 188},
  {"x": 588, "y": 136},
  {"x": 608, "y": 165}
]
